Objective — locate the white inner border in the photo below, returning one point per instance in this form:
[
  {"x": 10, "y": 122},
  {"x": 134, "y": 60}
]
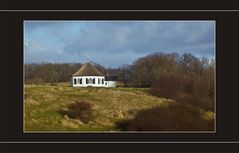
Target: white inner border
[
  {"x": 214, "y": 21},
  {"x": 122, "y": 131}
]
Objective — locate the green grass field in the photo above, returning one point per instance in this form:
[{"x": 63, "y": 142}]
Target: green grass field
[{"x": 44, "y": 107}]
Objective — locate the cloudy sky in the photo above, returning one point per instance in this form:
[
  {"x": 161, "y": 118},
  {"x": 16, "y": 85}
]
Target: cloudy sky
[{"x": 114, "y": 43}]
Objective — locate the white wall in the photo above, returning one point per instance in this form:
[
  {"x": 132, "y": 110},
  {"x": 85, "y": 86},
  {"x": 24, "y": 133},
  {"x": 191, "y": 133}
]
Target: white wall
[
  {"x": 110, "y": 83},
  {"x": 84, "y": 81},
  {"x": 105, "y": 83}
]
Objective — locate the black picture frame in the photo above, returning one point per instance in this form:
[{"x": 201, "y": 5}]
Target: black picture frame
[{"x": 13, "y": 139}]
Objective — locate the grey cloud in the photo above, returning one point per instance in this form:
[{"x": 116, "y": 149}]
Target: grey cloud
[{"x": 117, "y": 43}]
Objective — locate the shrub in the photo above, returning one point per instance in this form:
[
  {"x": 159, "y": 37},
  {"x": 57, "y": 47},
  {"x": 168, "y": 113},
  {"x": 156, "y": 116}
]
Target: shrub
[
  {"x": 202, "y": 102},
  {"x": 80, "y": 110},
  {"x": 175, "y": 117},
  {"x": 122, "y": 124}
]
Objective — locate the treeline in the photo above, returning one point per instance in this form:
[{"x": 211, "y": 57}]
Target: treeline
[
  {"x": 184, "y": 78},
  {"x": 53, "y": 73},
  {"x": 49, "y": 73}
]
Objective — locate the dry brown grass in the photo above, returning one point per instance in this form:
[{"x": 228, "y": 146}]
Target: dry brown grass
[{"x": 46, "y": 106}]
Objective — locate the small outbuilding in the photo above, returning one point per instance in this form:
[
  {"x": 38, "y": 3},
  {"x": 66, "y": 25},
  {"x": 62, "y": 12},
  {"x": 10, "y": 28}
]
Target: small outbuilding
[{"x": 89, "y": 76}]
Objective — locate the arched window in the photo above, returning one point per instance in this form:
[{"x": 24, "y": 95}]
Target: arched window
[
  {"x": 102, "y": 81},
  {"x": 74, "y": 81},
  {"x": 80, "y": 80},
  {"x": 86, "y": 80},
  {"x": 94, "y": 81},
  {"x": 98, "y": 81}
]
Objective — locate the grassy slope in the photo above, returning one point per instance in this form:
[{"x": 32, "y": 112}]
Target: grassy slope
[{"x": 45, "y": 104}]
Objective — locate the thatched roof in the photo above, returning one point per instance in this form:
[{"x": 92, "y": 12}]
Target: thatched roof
[{"x": 88, "y": 70}]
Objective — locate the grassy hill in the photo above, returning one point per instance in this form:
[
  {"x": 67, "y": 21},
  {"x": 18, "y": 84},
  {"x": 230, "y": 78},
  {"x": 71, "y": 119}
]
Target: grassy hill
[{"x": 45, "y": 107}]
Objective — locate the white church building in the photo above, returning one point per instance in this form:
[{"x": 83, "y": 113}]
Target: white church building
[{"x": 89, "y": 76}]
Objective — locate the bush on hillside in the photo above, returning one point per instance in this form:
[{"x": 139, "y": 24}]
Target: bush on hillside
[
  {"x": 175, "y": 117},
  {"x": 80, "y": 110}
]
